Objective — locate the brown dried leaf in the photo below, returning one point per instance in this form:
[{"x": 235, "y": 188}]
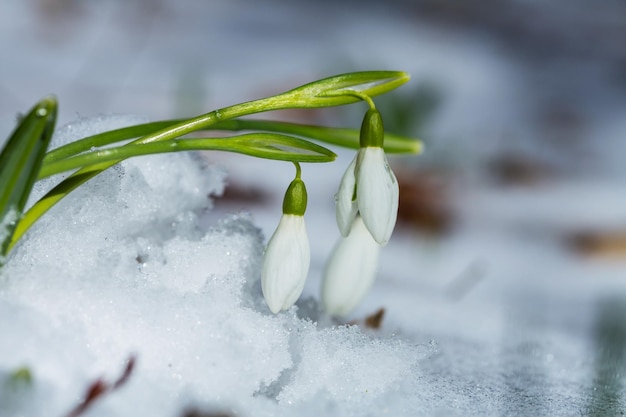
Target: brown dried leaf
[
  {"x": 375, "y": 320},
  {"x": 424, "y": 202},
  {"x": 610, "y": 244}
]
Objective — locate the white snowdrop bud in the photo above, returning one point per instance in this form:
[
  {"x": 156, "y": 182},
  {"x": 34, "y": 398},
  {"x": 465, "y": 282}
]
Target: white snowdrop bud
[
  {"x": 350, "y": 271},
  {"x": 288, "y": 255}
]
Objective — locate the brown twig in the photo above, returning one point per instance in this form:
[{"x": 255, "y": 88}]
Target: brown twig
[{"x": 99, "y": 387}]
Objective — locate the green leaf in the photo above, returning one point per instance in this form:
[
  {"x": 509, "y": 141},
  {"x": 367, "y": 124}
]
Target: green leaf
[
  {"x": 19, "y": 378},
  {"x": 345, "y": 137},
  {"x": 260, "y": 145},
  {"x": 276, "y": 146},
  {"x": 20, "y": 161},
  {"x": 106, "y": 138}
]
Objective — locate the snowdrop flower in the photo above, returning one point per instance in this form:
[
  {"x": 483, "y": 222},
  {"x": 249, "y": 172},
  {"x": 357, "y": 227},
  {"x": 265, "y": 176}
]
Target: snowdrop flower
[
  {"x": 288, "y": 255},
  {"x": 350, "y": 270},
  {"x": 368, "y": 186}
]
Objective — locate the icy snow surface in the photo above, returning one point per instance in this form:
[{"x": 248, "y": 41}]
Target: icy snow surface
[
  {"x": 121, "y": 267},
  {"x": 498, "y": 318}
]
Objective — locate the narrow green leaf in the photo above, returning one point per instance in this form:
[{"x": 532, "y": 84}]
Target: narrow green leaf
[
  {"x": 261, "y": 145},
  {"x": 20, "y": 161},
  {"x": 348, "y": 138},
  {"x": 345, "y": 137},
  {"x": 276, "y": 146},
  {"x": 106, "y": 138}
]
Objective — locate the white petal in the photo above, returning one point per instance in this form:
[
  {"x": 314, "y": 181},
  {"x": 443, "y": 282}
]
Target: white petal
[
  {"x": 346, "y": 207},
  {"x": 377, "y": 193},
  {"x": 286, "y": 263},
  {"x": 350, "y": 270}
]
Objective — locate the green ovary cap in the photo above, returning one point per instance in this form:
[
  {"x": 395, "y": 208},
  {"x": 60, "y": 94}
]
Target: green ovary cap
[
  {"x": 295, "y": 198},
  {"x": 372, "y": 132}
]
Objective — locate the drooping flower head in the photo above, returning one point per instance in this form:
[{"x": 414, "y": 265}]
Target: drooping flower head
[
  {"x": 368, "y": 186},
  {"x": 350, "y": 271},
  {"x": 287, "y": 255},
  {"x": 367, "y": 208}
]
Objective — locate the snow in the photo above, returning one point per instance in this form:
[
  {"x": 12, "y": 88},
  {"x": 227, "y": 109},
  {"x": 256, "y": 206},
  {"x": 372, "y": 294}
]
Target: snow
[
  {"x": 498, "y": 317},
  {"x": 125, "y": 267},
  {"x": 122, "y": 267}
]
